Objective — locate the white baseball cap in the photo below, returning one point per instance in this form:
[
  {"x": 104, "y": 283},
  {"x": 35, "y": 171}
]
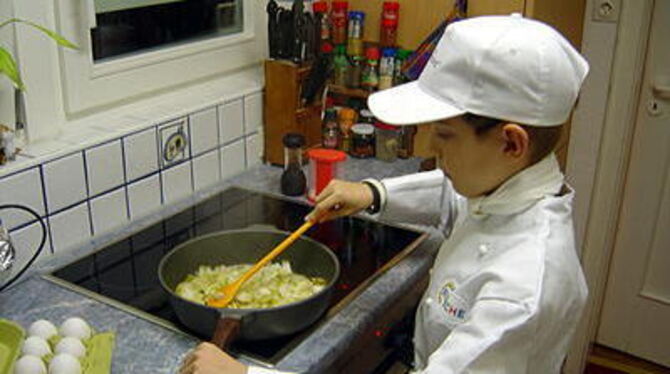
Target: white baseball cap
[{"x": 504, "y": 67}]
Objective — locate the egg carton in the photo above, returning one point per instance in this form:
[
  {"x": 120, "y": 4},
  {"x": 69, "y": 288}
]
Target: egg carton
[{"x": 97, "y": 360}]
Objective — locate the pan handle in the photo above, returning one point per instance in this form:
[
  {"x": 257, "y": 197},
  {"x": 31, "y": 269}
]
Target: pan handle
[{"x": 227, "y": 329}]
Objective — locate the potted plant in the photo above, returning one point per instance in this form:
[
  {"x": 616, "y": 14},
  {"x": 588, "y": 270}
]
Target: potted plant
[{"x": 9, "y": 68}]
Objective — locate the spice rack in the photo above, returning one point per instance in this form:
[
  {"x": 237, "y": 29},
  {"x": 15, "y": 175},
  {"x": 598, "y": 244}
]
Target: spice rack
[
  {"x": 340, "y": 90},
  {"x": 283, "y": 110}
]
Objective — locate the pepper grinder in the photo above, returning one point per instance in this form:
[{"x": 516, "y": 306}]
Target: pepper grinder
[{"x": 293, "y": 181}]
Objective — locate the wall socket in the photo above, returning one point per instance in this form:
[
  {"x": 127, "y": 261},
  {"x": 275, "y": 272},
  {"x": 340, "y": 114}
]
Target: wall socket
[
  {"x": 174, "y": 142},
  {"x": 606, "y": 10}
]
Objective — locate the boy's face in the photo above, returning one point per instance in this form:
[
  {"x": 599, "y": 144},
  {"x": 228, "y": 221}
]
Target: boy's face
[{"x": 476, "y": 164}]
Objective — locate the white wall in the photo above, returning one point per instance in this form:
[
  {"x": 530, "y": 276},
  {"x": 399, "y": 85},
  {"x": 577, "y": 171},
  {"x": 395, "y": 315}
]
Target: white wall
[{"x": 6, "y": 90}]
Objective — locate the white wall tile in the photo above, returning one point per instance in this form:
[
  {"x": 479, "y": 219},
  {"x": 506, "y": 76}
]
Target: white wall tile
[
  {"x": 70, "y": 228},
  {"x": 206, "y": 170},
  {"x": 253, "y": 112},
  {"x": 254, "y": 149},
  {"x": 26, "y": 241},
  {"x": 166, "y": 132},
  {"x": 23, "y": 188},
  {"x": 109, "y": 211},
  {"x": 64, "y": 182},
  {"x": 141, "y": 151},
  {"x": 231, "y": 121},
  {"x": 144, "y": 196},
  {"x": 104, "y": 164},
  {"x": 233, "y": 159},
  {"x": 177, "y": 182},
  {"x": 204, "y": 131}
]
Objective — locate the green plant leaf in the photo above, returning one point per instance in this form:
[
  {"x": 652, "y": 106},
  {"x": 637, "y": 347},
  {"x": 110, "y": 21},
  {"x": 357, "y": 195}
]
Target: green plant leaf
[
  {"x": 52, "y": 34},
  {"x": 8, "y": 67}
]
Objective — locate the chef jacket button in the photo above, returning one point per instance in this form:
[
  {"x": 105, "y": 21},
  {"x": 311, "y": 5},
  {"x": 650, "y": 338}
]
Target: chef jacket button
[
  {"x": 429, "y": 300},
  {"x": 483, "y": 249}
]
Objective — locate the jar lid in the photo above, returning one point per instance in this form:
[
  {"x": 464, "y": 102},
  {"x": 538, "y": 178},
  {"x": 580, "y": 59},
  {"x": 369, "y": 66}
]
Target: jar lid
[
  {"x": 357, "y": 15},
  {"x": 372, "y": 53},
  {"x": 388, "y": 52},
  {"x": 391, "y": 5},
  {"x": 326, "y": 48},
  {"x": 320, "y": 6},
  {"x": 293, "y": 140},
  {"x": 340, "y": 49},
  {"x": 404, "y": 53},
  {"x": 367, "y": 113},
  {"x": 340, "y": 5},
  {"x": 326, "y": 155},
  {"x": 386, "y": 126},
  {"x": 363, "y": 129}
]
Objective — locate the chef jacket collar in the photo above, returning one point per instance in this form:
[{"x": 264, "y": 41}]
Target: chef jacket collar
[{"x": 521, "y": 190}]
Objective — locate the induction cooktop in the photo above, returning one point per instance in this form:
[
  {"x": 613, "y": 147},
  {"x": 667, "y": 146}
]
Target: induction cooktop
[{"x": 124, "y": 274}]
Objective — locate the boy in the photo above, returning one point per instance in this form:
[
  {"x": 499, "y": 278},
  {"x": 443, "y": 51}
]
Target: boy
[{"x": 506, "y": 289}]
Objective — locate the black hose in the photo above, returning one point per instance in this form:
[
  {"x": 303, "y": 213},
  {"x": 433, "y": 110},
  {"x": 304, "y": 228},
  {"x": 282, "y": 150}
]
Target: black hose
[{"x": 39, "y": 250}]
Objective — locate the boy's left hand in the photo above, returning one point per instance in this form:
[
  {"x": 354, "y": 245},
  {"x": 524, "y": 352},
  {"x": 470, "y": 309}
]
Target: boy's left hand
[{"x": 206, "y": 358}]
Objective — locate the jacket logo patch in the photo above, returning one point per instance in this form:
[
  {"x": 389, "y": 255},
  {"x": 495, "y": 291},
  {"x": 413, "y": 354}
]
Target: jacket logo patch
[{"x": 453, "y": 304}]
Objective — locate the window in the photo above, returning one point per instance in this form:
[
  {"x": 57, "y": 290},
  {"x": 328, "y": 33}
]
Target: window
[
  {"x": 131, "y": 26},
  {"x": 134, "y": 48}
]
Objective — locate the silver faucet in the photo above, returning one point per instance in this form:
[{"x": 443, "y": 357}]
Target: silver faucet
[{"x": 7, "y": 252}]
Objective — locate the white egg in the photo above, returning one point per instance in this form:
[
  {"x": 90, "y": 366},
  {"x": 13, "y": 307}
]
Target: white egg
[
  {"x": 64, "y": 363},
  {"x": 72, "y": 346},
  {"x": 76, "y": 328},
  {"x": 30, "y": 364},
  {"x": 43, "y": 329},
  {"x": 36, "y": 346}
]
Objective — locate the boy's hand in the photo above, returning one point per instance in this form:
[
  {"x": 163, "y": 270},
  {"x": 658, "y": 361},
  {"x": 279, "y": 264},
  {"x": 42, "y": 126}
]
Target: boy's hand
[
  {"x": 208, "y": 359},
  {"x": 340, "y": 199}
]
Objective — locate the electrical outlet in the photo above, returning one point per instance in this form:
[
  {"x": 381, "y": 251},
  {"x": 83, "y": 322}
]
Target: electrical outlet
[
  {"x": 606, "y": 10},
  {"x": 174, "y": 142}
]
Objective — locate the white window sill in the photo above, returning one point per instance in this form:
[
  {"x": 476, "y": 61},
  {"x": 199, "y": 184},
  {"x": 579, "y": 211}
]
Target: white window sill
[{"x": 80, "y": 133}]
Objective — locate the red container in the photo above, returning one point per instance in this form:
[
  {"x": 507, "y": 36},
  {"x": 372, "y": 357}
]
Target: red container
[
  {"x": 323, "y": 167},
  {"x": 389, "y": 24},
  {"x": 339, "y": 19}
]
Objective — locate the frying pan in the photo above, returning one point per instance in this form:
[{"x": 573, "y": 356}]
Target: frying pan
[{"x": 223, "y": 325}]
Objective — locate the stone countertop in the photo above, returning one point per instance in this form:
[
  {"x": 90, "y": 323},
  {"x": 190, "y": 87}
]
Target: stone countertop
[{"x": 144, "y": 347}]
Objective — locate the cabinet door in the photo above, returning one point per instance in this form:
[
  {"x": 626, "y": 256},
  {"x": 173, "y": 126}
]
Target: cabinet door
[{"x": 486, "y": 7}]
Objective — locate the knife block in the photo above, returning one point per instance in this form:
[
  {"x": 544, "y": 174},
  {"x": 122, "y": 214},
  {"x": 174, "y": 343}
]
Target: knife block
[{"x": 283, "y": 110}]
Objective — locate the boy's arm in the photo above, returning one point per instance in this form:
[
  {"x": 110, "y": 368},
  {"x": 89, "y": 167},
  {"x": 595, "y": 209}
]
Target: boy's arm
[
  {"x": 495, "y": 338},
  {"x": 424, "y": 199}
]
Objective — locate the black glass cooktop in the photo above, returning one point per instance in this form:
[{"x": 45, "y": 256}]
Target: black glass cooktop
[{"x": 127, "y": 270}]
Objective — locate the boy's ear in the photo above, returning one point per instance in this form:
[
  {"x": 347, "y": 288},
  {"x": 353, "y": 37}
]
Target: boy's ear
[{"x": 516, "y": 139}]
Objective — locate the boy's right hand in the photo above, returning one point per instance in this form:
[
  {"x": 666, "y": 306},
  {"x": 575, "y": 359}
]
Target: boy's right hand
[{"x": 340, "y": 199}]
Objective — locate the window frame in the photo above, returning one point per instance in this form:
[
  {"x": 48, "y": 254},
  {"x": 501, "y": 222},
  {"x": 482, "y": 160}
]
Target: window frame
[{"x": 88, "y": 86}]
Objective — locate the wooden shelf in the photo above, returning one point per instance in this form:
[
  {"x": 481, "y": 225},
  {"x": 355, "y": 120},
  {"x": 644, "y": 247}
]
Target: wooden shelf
[{"x": 359, "y": 93}]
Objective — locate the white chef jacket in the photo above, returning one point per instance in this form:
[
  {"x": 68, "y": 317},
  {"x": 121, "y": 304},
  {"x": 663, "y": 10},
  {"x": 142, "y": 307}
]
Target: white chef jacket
[{"x": 506, "y": 290}]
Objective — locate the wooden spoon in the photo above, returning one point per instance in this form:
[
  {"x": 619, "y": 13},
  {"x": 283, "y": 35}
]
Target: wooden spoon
[{"x": 229, "y": 291}]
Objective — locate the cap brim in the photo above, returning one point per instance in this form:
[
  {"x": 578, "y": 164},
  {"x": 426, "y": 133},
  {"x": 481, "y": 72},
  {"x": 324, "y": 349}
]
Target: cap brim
[{"x": 409, "y": 104}]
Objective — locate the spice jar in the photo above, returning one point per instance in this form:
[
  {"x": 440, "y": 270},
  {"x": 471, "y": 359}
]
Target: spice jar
[
  {"x": 389, "y": 27},
  {"x": 339, "y": 22},
  {"x": 366, "y": 116},
  {"x": 355, "y": 71},
  {"x": 387, "y": 141},
  {"x": 320, "y": 9},
  {"x": 362, "y": 140},
  {"x": 401, "y": 56},
  {"x": 370, "y": 78},
  {"x": 387, "y": 68},
  {"x": 347, "y": 118},
  {"x": 331, "y": 133},
  {"x": 406, "y": 145},
  {"x": 324, "y": 166},
  {"x": 356, "y": 26},
  {"x": 340, "y": 67},
  {"x": 293, "y": 181}
]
